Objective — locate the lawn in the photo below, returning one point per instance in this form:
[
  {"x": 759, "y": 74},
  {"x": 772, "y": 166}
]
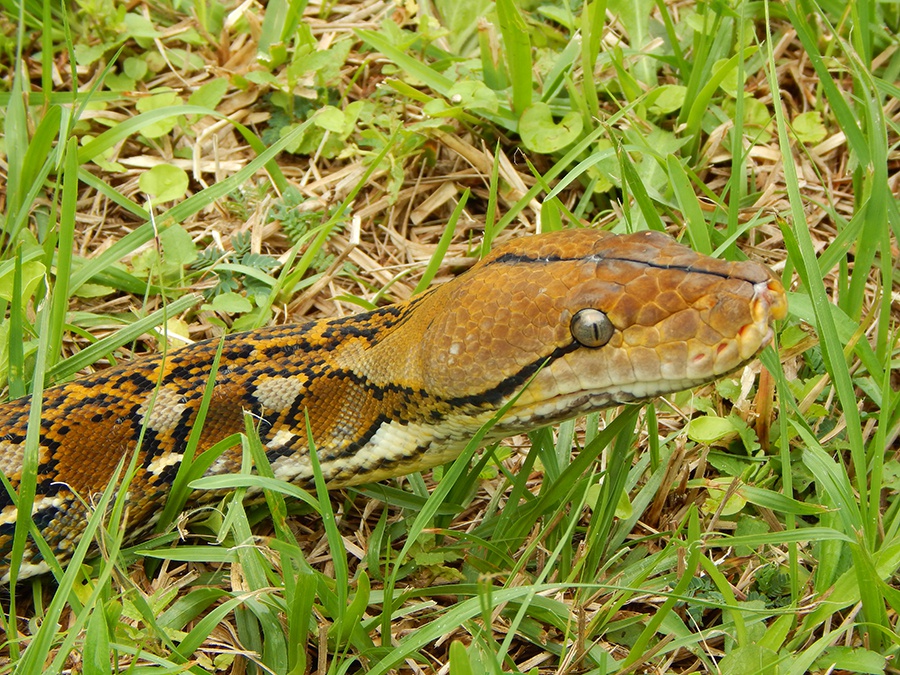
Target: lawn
[{"x": 179, "y": 169}]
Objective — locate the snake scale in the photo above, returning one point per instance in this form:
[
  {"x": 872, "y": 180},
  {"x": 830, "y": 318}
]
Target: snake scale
[{"x": 590, "y": 318}]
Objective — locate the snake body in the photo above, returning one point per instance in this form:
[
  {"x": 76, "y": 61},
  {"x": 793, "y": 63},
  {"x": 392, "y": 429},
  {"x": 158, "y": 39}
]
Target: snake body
[{"x": 587, "y": 319}]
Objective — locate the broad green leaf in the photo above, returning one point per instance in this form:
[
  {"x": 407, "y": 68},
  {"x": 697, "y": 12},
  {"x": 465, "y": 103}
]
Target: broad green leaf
[
  {"x": 138, "y": 26},
  {"x": 852, "y": 659},
  {"x": 96, "y": 644},
  {"x": 473, "y": 95},
  {"x": 541, "y": 134},
  {"x": 809, "y": 127},
  {"x": 165, "y": 125},
  {"x": 666, "y": 99},
  {"x": 331, "y": 119},
  {"x": 709, "y": 429},
  {"x": 135, "y": 68},
  {"x": 750, "y": 659},
  {"x": 210, "y": 94},
  {"x": 735, "y": 502},
  {"x": 177, "y": 245},
  {"x": 231, "y": 303},
  {"x": 32, "y": 273},
  {"x": 728, "y": 71},
  {"x": 635, "y": 17},
  {"x": 164, "y": 183}
]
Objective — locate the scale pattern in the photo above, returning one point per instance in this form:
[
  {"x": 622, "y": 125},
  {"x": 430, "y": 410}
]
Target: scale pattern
[{"x": 401, "y": 388}]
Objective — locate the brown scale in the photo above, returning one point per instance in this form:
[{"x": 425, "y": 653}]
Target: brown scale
[{"x": 403, "y": 388}]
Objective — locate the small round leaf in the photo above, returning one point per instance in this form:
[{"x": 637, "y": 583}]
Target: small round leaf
[
  {"x": 541, "y": 134},
  {"x": 164, "y": 183}
]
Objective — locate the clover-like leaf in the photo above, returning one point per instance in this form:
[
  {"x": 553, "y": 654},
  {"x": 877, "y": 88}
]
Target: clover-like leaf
[
  {"x": 666, "y": 99},
  {"x": 231, "y": 303},
  {"x": 164, "y": 183},
  {"x": 541, "y": 134},
  {"x": 809, "y": 127},
  {"x": 330, "y": 118},
  {"x": 709, "y": 429},
  {"x": 164, "y": 126},
  {"x": 32, "y": 273},
  {"x": 473, "y": 95}
]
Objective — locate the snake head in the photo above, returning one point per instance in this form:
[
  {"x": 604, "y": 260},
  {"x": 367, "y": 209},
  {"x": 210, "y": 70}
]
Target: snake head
[{"x": 595, "y": 319}]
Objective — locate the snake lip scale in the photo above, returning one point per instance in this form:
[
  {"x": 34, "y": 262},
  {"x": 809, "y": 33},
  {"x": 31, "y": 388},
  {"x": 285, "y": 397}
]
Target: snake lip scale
[{"x": 588, "y": 319}]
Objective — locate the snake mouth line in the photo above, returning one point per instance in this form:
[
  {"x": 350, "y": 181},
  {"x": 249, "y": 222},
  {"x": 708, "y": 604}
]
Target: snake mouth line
[{"x": 564, "y": 406}]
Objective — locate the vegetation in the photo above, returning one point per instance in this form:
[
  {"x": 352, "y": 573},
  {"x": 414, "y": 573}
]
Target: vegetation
[{"x": 179, "y": 168}]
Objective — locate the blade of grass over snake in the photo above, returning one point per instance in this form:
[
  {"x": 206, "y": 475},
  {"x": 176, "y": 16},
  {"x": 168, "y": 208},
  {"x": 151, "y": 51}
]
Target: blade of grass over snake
[
  {"x": 341, "y": 570},
  {"x": 123, "y": 336},
  {"x": 16, "y": 376},
  {"x": 65, "y": 245},
  {"x": 443, "y": 244},
  {"x": 178, "y": 492},
  {"x": 39, "y": 648},
  {"x": 697, "y": 227}
]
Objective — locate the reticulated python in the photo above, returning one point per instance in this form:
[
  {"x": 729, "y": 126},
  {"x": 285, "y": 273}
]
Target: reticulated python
[{"x": 595, "y": 319}]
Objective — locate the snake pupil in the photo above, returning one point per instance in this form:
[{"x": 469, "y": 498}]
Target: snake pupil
[{"x": 591, "y": 328}]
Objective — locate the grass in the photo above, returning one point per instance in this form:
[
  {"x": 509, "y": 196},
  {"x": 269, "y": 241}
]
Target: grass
[{"x": 220, "y": 167}]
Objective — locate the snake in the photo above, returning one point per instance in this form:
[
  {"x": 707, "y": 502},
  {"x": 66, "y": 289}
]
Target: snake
[{"x": 544, "y": 328}]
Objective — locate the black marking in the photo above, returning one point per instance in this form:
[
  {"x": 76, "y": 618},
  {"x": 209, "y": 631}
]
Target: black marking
[
  {"x": 237, "y": 351},
  {"x": 511, "y": 384},
  {"x": 50, "y": 487},
  {"x": 45, "y": 517},
  {"x": 50, "y": 444},
  {"x": 289, "y": 349},
  {"x": 363, "y": 439},
  {"x": 519, "y": 259},
  {"x": 138, "y": 379}
]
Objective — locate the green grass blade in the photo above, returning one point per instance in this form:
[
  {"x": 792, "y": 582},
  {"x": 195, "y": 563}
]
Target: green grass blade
[
  {"x": 518, "y": 53},
  {"x": 123, "y": 336},
  {"x": 443, "y": 244},
  {"x": 697, "y": 227},
  {"x": 65, "y": 246}
]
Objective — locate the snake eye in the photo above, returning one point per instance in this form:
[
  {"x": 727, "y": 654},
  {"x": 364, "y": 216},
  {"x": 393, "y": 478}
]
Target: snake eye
[{"x": 591, "y": 328}]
